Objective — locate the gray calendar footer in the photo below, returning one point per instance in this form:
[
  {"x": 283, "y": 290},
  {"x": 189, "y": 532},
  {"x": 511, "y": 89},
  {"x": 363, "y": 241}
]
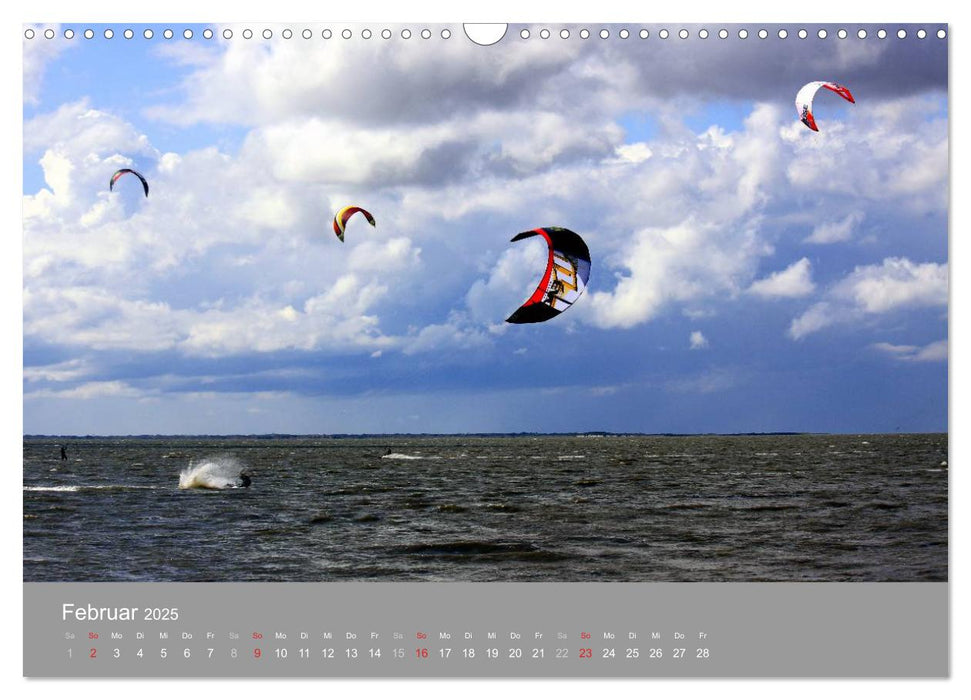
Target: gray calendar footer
[{"x": 486, "y": 630}]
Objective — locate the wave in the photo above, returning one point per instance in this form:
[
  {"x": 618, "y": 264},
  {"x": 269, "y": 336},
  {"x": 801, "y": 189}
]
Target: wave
[
  {"x": 88, "y": 487},
  {"x": 487, "y": 550},
  {"x": 399, "y": 455},
  {"x": 216, "y": 473}
]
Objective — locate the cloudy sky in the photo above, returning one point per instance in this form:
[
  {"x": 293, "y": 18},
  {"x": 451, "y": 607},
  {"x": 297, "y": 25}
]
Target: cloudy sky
[{"x": 748, "y": 274}]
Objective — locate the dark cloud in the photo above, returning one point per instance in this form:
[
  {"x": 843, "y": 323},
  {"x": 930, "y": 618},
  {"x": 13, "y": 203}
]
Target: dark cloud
[
  {"x": 765, "y": 69},
  {"x": 406, "y": 83}
]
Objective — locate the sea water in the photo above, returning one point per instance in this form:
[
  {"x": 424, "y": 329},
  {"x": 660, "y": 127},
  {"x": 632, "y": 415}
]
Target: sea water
[{"x": 488, "y": 508}]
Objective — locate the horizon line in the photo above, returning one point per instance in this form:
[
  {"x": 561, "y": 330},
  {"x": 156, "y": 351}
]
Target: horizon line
[{"x": 571, "y": 433}]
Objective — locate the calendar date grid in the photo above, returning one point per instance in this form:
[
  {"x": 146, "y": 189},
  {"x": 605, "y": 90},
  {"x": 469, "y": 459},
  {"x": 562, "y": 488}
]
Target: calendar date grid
[{"x": 276, "y": 647}]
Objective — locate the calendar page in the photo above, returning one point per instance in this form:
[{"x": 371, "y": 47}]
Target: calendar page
[{"x": 443, "y": 350}]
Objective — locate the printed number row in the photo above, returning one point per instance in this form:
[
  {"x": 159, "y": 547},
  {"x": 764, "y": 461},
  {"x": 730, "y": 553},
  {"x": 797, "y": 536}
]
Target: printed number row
[{"x": 421, "y": 653}]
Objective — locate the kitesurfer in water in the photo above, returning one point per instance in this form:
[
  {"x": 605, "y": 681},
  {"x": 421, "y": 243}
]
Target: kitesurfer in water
[
  {"x": 63, "y": 453},
  {"x": 244, "y": 480}
]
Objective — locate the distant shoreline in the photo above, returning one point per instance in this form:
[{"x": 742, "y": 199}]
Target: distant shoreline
[{"x": 365, "y": 436}]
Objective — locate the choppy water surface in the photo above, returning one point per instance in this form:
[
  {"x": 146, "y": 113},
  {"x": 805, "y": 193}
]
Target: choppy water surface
[{"x": 531, "y": 508}]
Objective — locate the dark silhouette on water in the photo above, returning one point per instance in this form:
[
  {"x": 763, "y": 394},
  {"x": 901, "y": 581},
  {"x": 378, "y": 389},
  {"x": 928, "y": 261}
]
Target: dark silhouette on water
[
  {"x": 63, "y": 453},
  {"x": 245, "y": 480}
]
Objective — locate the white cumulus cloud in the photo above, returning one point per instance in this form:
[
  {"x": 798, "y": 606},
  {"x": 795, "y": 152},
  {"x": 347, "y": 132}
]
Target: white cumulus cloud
[
  {"x": 871, "y": 290},
  {"x": 39, "y": 52},
  {"x": 836, "y": 231},
  {"x": 794, "y": 281}
]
